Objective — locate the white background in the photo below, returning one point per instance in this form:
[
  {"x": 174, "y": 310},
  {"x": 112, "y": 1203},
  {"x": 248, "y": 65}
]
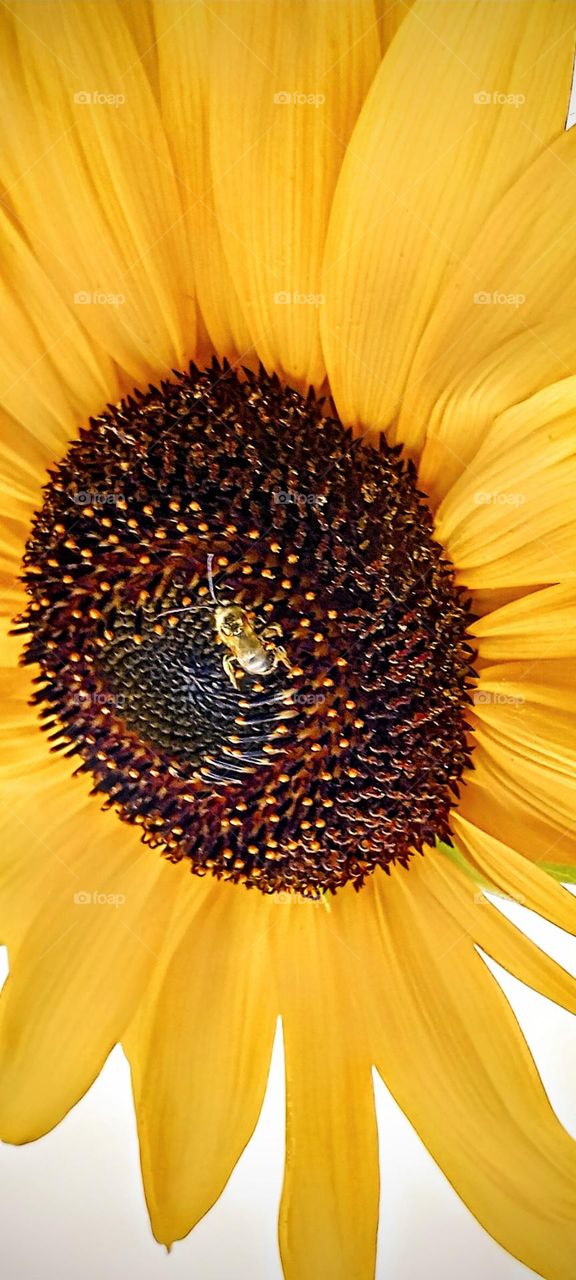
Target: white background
[{"x": 72, "y": 1203}]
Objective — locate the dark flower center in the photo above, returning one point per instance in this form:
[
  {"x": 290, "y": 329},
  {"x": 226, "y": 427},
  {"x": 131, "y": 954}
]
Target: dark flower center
[{"x": 247, "y": 632}]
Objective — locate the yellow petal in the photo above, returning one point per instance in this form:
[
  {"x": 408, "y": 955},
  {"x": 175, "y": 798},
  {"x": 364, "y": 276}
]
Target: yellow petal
[
  {"x": 87, "y": 376},
  {"x": 515, "y": 876},
  {"x": 450, "y": 1050},
  {"x": 80, "y": 971},
  {"x": 530, "y": 772},
  {"x": 183, "y": 43},
  {"x": 98, "y": 160},
  {"x": 426, "y": 164},
  {"x": 472, "y": 911},
  {"x": 503, "y": 329},
  {"x": 530, "y": 708},
  {"x": 508, "y": 521},
  {"x": 329, "y": 1210},
  {"x": 390, "y": 15},
  {"x": 200, "y": 1053},
  {"x": 516, "y": 805},
  {"x": 287, "y": 83},
  {"x": 543, "y": 622}
]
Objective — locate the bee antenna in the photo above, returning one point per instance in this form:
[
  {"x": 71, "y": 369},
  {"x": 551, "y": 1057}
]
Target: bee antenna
[
  {"x": 188, "y": 608},
  {"x": 209, "y": 562}
]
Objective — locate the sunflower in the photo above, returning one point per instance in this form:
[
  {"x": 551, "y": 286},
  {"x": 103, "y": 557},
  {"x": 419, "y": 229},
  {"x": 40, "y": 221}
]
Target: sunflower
[{"x": 288, "y": 468}]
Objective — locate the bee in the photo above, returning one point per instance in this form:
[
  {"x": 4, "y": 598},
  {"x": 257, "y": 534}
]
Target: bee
[{"x": 255, "y": 652}]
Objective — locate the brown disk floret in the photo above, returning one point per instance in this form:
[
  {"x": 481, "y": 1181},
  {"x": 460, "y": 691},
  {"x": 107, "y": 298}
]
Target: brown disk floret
[{"x": 342, "y": 755}]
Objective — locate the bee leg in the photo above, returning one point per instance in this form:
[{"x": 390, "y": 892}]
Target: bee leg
[
  {"x": 273, "y": 629},
  {"x": 229, "y": 669},
  {"x": 281, "y": 656}
]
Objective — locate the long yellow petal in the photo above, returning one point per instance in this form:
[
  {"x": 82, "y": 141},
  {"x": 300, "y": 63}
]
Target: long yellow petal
[
  {"x": 200, "y": 1053},
  {"x": 428, "y": 160},
  {"x": 86, "y": 144},
  {"x": 87, "y": 376},
  {"x": 450, "y": 1050},
  {"x": 515, "y": 876},
  {"x": 542, "y": 622},
  {"x": 530, "y": 707},
  {"x": 503, "y": 329},
  {"x": 513, "y": 810},
  {"x": 329, "y": 1210},
  {"x": 183, "y": 42},
  {"x": 472, "y": 911},
  {"x": 508, "y": 520},
  {"x": 390, "y": 16},
  {"x": 80, "y": 971},
  {"x": 288, "y": 80}
]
